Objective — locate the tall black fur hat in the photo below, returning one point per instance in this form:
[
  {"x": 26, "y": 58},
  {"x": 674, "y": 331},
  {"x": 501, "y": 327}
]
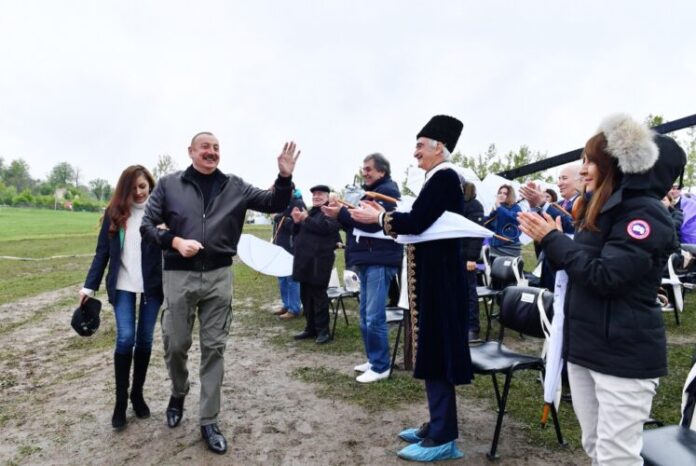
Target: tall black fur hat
[
  {"x": 85, "y": 319},
  {"x": 443, "y": 128}
]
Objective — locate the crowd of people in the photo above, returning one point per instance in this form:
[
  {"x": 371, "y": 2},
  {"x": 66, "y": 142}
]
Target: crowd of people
[{"x": 611, "y": 227}]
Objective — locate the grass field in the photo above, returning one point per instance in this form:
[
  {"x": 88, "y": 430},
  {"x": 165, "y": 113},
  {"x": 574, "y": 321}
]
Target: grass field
[{"x": 40, "y": 234}]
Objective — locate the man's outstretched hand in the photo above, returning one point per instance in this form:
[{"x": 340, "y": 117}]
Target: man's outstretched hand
[{"x": 287, "y": 159}]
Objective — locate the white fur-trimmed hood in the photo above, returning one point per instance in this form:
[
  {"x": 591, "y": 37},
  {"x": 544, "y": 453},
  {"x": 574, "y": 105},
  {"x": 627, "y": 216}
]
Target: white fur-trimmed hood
[{"x": 630, "y": 142}]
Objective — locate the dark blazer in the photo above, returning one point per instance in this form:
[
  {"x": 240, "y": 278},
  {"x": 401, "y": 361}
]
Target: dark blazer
[
  {"x": 473, "y": 210},
  {"x": 548, "y": 274},
  {"x": 109, "y": 252},
  {"x": 315, "y": 241}
]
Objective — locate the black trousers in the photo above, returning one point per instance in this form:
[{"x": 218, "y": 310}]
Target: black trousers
[
  {"x": 316, "y": 307},
  {"x": 472, "y": 302},
  {"x": 442, "y": 404}
]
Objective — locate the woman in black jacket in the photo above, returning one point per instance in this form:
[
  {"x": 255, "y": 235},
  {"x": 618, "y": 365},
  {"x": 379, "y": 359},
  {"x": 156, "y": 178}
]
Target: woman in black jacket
[
  {"x": 134, "y": 267},
  {"x": 614, "y": 336}
]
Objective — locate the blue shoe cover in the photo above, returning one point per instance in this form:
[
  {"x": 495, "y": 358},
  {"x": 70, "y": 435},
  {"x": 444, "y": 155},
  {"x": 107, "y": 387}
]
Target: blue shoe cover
[
  {"x": 416, "y": 452},
  {"x": 410, "y": 435}
]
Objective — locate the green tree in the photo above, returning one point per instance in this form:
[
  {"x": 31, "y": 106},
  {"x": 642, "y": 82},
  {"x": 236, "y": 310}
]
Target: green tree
[
  {"x": 689, "y": 146},
  {"x": 100, "y": 188},
  {"x": 491, "y": 162},
  {"x": 61, "y": 175},
  {"x": 654, "y": 120},
  {"x": 165, "y": 165},
  {"x": 17, "y": 175},
  {"x": 482, "y": 164}
]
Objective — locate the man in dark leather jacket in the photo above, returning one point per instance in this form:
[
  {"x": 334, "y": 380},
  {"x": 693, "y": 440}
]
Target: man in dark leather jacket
[{"x": 204, "y": 212}]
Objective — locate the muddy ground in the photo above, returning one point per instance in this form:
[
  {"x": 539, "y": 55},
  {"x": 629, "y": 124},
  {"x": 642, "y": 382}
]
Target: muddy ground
[{"x": 57, "y": 396}]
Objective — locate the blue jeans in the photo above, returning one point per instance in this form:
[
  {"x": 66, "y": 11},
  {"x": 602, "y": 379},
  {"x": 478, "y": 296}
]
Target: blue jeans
[
  {"x": 374, "y": 287},
  {"x": 290, "y": 294},
  {"x": 127, "y": 335}
]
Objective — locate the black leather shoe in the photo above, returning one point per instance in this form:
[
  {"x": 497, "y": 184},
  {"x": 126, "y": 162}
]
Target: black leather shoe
[
  {"x": 323, "y": 337},
  {"x": 304, "y": 334},
  {"x": 175, "y": 411},
  {"x": 214, "y": 439}
]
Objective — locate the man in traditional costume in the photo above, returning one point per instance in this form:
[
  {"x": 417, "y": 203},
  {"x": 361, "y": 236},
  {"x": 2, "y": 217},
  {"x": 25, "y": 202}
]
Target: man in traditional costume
[{"x": 437, "y": 289}]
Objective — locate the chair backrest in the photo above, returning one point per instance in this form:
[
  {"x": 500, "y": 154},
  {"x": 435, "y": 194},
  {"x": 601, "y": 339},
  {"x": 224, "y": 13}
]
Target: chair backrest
[
  {"x": 351, "y": 281},
  {"x": 527, "y": 310},
  {"x": 689, "y": 400},
  {"x": 333, "y": 280},
  {"x": 507, "y": 271},
  {"x": 486, "y": 259},
  {"x": 675, "y": 259}
]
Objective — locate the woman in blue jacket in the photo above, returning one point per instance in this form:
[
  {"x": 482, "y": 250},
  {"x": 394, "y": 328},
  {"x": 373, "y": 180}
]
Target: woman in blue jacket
[
  {"x": 503, "y": 221},
  {"x": 134, "y": 267}
]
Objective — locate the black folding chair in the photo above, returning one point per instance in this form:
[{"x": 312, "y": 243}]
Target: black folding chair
[
  {"x": 395, "y": 315},
  {"x": 674, "y": 288},
  {"x": 520, "y": 310},
  {"x": 674, "y": 445},
  {"x": 505, "y": 271}
]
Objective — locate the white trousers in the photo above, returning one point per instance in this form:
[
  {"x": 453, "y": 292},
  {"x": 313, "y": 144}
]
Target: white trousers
[{"x": 611, "y": 411}]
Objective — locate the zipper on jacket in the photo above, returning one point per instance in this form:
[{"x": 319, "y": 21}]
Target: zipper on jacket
[
  {"x": 203, "y": 264},
  {"x": 203, "y": 208},
  {"x": 200, "y": 193}
]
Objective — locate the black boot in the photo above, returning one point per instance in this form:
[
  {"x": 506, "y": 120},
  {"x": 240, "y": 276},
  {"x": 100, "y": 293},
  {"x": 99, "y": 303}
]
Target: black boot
[
  {"x": 175, "y": 411},
  {"x": 122, "y": 363},
  {"x": 141, "y": 359},
  {"x": 323, "y": 336}
]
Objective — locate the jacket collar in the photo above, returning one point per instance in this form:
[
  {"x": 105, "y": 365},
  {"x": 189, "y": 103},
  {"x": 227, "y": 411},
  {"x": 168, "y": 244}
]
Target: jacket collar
[
  {"x": 440, "y": 166},
  {"x": 379, "y": 182},
  {"x": 190, "y": 174}
]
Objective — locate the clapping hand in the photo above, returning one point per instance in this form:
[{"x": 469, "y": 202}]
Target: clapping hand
[
  {"x": 368, "y": 212},
  {"x": 532, "y": 194},
  {"x": 287, "y": 159},
  {"x": 536, "y": 227},
  {"x": 298, "y": 215},
  {"x": 331, "y": 210}
]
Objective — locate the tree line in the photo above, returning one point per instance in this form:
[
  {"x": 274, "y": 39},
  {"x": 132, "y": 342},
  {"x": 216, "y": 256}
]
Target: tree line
[{"x": 63, "y": 188}]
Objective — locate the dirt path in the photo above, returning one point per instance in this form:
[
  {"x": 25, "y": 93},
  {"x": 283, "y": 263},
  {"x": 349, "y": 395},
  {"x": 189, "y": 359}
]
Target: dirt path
[{"x": 56, "y": 401}]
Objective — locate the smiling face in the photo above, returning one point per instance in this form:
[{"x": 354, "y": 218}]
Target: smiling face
[
  {"x": 140, "y": 190},
  {"x": 205, "y": 153},
  {"x": 428, "y": 153},
  {"x": 675, "y": 192},
  {"x": 567, "y": 182},
  {"x": 319, "y": 198},
  {"x": 590, "y": 174},
  {"x": 370, "y": 174}
]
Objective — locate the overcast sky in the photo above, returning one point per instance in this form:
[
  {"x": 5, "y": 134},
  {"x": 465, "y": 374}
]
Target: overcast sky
[{"x": 106, "y": 84}]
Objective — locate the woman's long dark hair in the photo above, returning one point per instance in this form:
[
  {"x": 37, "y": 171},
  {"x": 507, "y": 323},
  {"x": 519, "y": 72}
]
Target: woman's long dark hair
[
  {"x": 511, "y": 197},
  {"x": 119, "y": 208},
  {"x": 587, "y": 211}
]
